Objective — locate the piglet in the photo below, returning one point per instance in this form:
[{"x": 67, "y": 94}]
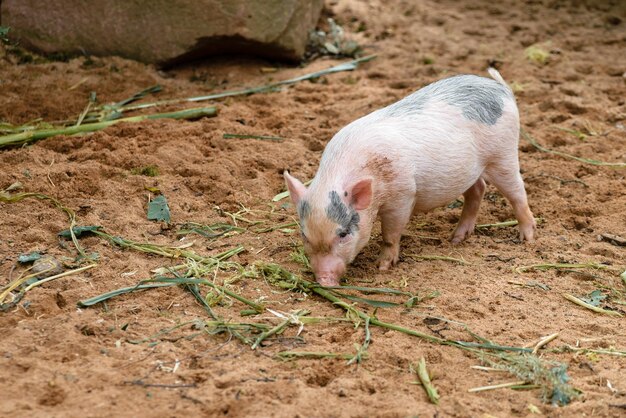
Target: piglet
[{"x": 417, "y": 154}]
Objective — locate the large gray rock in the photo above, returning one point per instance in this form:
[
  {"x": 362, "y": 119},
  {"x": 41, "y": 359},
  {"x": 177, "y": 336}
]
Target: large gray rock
[{"x": 163, "y": 31}]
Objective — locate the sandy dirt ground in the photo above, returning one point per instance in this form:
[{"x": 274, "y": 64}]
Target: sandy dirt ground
[{"x": 124, "y": 358}]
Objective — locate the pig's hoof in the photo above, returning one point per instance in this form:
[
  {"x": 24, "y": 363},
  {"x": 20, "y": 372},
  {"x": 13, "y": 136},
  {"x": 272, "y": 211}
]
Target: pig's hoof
[
  {"x": 456, "y": 240},
  {"x": 461, "y": 234},
  {"x": 528, "y": 236},
  {"x": 527, "y": 232},
  {"x": 387, "y": 261}
]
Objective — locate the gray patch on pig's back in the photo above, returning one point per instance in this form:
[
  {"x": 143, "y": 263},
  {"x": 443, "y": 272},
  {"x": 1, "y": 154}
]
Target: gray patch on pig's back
[
  {"x": 480, "y": 99},
  {"x": 338, "y": 212}
]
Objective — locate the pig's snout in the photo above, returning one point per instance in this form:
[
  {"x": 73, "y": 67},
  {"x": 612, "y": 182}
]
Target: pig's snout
[{"x": 328, "y": 269}]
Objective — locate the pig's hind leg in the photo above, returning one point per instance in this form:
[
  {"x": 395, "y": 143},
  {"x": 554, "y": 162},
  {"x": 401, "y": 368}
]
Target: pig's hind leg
[
  {"x": 473, "y": 196},
  {"x": 393, "y": 221},
  {"x": 508, "y": 181}
]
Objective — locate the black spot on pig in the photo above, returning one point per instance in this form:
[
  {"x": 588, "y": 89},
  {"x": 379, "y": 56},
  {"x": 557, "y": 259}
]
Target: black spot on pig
[
  {"x": 304, "y": 209},
  {"x": 480, "y": 99},
  {"x": 345, "y": 216}
]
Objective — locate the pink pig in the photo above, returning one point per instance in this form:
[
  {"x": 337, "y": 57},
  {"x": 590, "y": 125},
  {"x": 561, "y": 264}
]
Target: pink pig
[{"x": 417, "y": 154}]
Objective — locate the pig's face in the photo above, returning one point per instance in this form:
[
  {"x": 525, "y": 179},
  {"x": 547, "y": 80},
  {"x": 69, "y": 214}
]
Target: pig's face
[{"x": 335, "y": 225}]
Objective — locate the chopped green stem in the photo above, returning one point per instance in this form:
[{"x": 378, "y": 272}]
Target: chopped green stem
[
  {"x": 36, "y": 135},
  {"x": 276, "y": 330},
  {"x": 223, "y": 289},
  {"x": 494, "y": 347},
  {"x": 362, "y": 350},
  {"x": 422, "y": 373},
  {"x": 108, "y": 295}
]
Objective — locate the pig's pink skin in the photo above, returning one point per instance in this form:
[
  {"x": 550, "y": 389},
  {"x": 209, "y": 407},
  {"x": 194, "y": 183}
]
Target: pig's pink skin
[
  {"x": 413, "y": 156},
  {"x": 328, "y": 268}
]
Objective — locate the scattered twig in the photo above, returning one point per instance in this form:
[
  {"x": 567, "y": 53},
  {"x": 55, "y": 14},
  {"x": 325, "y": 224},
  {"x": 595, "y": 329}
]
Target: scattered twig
[
  {"x": 500, "y": 386},
  {"x": 557, "y": 266},
  {"x": 141, "y": 383},
  {"x": 606, "y": 351},
  {"x": 562, "y": 154},
  {"x": 612, "y": 239},
  {"x": 246, "y": 136},
  {"x": 292, "y": 355},
  {"x": 506, "y": 224},
  {"x": 346, "y": 66},
  {"x": 58, "y": 276},
  {"x": 544, "y": 341},
  {"x": 436, "y": 257},
  {"x": 487, "y": 369},
  {"x": 584, "y": 304}
]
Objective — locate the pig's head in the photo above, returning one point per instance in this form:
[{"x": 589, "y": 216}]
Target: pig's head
[{"x": 336, "y": 224}]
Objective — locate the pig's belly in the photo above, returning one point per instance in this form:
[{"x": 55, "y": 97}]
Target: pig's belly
[{"x": 439, "y": 188}]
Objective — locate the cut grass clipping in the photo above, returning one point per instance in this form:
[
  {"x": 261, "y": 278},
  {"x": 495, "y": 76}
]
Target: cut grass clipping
[
  {"x": 94, "y": 118},
  {"x": 30, "y": 136},
  {"x": 551, "y": 377},
  {"x": 534, "y": 143},
  {"x": 7, "y": 197},
  {"x": 195, "y": 272},
  {"x": 424, "y": 378},
  {"x": 346, "y": 66}
]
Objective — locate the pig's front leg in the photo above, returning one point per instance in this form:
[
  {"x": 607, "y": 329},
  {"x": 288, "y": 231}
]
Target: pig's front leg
[{"x": 393, "y": 221}]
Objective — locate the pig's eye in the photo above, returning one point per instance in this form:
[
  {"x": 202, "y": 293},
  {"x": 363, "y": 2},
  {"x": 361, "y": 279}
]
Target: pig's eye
[{"x": 343, "y": 234}]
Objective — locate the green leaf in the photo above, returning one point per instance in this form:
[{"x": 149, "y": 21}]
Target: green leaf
[
  {"x": 372, "y": 302},
  {"x": 79, "y": 230},
  {"x": 594, "y": 298},
  {"x": 4, "y": 31},
  {"x": 158, "y": 210},
  {"x": 105, "y": 296},
  {"x": 384, "y": 290},
  {"x": 28, "y": 257}
]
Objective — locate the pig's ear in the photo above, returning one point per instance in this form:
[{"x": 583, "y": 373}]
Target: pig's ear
[
  {"x": 361, "y": 194},
  {"x": 295, "y": 187}
]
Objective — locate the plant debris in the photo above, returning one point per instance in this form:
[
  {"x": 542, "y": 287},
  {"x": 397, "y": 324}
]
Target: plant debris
[
  {"x": 333, "y": 42},
  {"x": 158, "y": 210},
  {"x": 424, "y": 378}
]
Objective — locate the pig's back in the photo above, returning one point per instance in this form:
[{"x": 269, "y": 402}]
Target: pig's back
[
  {"x": 480, "y": 99},
  {"x": 436, "y": 141}
]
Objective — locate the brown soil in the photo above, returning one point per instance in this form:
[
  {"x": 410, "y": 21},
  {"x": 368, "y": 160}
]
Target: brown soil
[{"x": 58, "y": 360}]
